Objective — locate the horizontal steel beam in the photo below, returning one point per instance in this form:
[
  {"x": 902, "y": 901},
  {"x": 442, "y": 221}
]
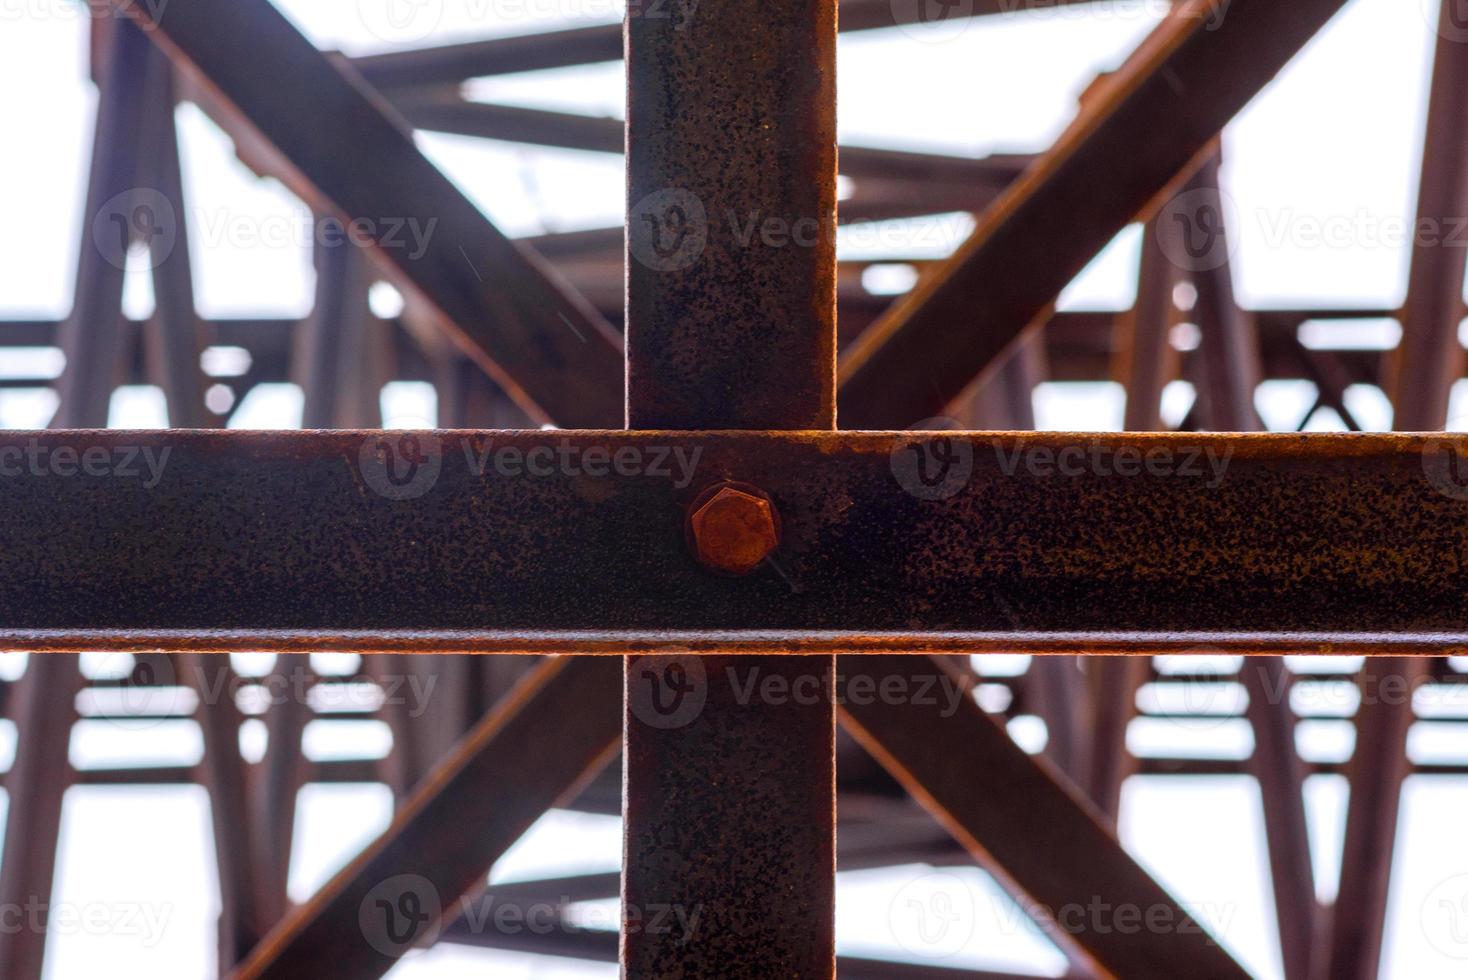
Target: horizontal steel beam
[
  {"x": 1079, "y": 345},
  {"x": 544, "y": 541},
  {"x": 449, "y": 64}
]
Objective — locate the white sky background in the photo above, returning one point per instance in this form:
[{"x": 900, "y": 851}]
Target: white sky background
[{"x": 1334, "y": 142}]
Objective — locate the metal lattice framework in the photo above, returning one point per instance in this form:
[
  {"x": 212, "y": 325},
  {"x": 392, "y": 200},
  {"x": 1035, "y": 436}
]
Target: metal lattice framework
[{"x": 898, "y": 553}]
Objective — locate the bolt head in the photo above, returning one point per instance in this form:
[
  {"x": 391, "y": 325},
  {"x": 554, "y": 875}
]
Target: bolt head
[{"x": 734, "y": 531}]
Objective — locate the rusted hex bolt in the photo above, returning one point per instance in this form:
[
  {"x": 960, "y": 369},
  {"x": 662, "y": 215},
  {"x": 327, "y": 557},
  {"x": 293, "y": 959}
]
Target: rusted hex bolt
[{"x": 733, "y": 527}]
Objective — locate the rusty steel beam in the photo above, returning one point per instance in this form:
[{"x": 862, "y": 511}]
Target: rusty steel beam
[
  {"x": 247, "y": 906},
  {"x": 1079, "y": 345},
  {"x": 731, "y": 329},
  {"x": 1230, "y": 374},
  {"x": 1012, "y": 811},
  {"x": 173, "y": 341},
  {"x": 175, "y": 335},
  {"x": 536, "y": 749},
  {"x": 1054, "y": 687},
  {"x": 732, "y": 326},
  {"x": 321, "y": 367},
  {"x": 1134, "y": 136},
  {"x": 449, "y": 64},
  {"x": 117, "y": 214},
  {"x": 1039, "y": 544},
  {"x": 505, "y": 307},
  {"x": 43, "y": 705},
  {"x": 1420, "y": 378},
  {"x": 1144, "y": 361},
  {"x": 43, "y": 709}
]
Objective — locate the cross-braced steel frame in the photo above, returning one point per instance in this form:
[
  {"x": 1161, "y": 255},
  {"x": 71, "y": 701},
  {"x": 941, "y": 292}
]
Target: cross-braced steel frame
[{"x": 288, "y": 542}]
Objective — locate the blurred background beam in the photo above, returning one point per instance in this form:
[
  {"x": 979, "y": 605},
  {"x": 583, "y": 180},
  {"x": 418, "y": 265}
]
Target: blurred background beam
[{"x": 1135, "y": 135}]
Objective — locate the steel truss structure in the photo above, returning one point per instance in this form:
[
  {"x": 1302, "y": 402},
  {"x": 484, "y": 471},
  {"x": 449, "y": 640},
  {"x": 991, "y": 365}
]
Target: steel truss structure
[{"x": 700, "y": 514}]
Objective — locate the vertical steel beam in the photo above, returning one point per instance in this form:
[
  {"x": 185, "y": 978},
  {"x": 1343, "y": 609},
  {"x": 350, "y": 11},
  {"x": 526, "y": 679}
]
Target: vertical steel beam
[
  {"x": 1429, "y": 360},
  {"x": 731, "y": 159},
  {"x": 45, "y": 709},
  {"x": 1054, "y": 686},
  {"x": 173, "y": 343},
  {"x": 1146, "y": 361},
  {"x": 45, "y": 697},
  {"x": 174, "y": 336},
  {"x": 1231, "y": 373},
  {"x": 321, "y": 367},
  {"x": 115, "y": 214},
  {"x": 731, "y": 154}
]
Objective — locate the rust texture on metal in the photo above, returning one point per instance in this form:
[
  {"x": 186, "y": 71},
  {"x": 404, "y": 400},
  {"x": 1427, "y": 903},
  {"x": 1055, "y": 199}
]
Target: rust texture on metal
[
  {"x": 731, "y": 324},
  {"x": 734, "y": 528},
  {"x": 1051, "y": 541},
  {"x": 731, "y": 173},
  {"x": 730, "y": 812},
  {"x": 1419, "y": 375}
]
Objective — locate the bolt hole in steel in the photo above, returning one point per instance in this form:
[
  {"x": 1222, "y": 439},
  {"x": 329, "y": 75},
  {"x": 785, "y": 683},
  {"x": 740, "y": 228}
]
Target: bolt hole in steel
[{"x": 732, "y": 528}]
